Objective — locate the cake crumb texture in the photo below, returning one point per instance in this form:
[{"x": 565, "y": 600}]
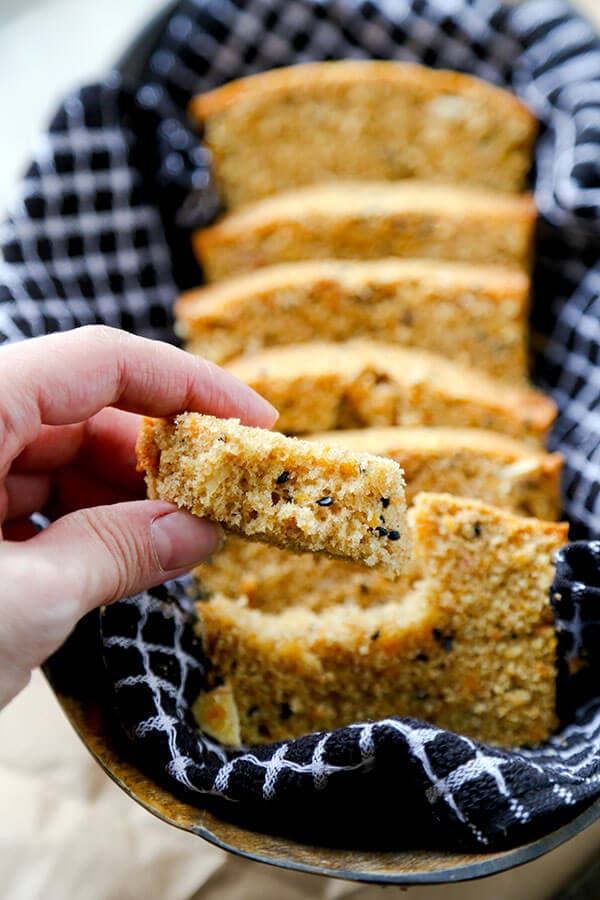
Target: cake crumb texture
[
  {"x": 322, "y": 386},
  {"x": 285, "y": 491},
  {"x": 474, "y": 315},
  {"x": 467, "y": 462}
]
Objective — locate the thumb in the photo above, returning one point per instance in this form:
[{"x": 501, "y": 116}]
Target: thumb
[
  {"x": 86, "y": 559},
  {"x": 108, "y": 552}
]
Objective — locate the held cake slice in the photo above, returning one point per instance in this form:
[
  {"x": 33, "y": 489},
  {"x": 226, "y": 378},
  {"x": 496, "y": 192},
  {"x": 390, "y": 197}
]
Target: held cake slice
[
  {"x": 475, "y": 315},
  {"x": 470, "y": 646},
  {"x": 281, "y": 490},
  {"x": 371, "y": 220},
  {"x": 362, "y": 120},
  {"x": 325, "y": 386}
]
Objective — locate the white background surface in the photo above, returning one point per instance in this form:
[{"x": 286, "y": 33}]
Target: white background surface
[{"x": 48, "y": 47}]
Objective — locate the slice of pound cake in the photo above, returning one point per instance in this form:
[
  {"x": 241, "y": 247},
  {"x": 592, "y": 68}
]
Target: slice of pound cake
[
  {"x": 470, "y": 646},
  {"x": 476, "y": 315},
  {"x": 371, "y": 220},
  {"x": 281, "y": 490},
  {"x": 326, "y": 386},
  {"x": 362, "y": 120}
]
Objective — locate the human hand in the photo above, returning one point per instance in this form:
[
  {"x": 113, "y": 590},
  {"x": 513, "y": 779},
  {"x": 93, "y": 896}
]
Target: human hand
[{"x": 67, "y": 439}]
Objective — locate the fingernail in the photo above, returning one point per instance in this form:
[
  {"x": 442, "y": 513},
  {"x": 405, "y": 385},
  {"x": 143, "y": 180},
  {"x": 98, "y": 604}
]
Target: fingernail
[
  {"x": 270, "y": 410},
  {"x": 258, "y": 410},
  {"x": 181, "y": 540}
]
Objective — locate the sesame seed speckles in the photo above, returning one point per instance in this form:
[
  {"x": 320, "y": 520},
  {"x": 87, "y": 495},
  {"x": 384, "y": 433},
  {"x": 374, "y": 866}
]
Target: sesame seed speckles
[
  {"x": 285, "y": 711},
  {"x": 325, "y": 501}
]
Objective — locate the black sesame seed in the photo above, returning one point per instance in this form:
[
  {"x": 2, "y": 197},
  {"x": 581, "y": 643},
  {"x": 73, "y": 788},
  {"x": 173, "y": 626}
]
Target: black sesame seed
[
  {"x": 263, "y": 730},
  {"x": 422, "y": 657},
  {"x": 283, "y": 477},
  {"x": 382, "y": 532},
  {"x": 375, "y": 635},
  {"x": 446, "y": 640},
  {"x": 385, "y": 502},
  {"x": 382, "y": 519},
  {"x": 251, "y": 710},
  {"x": 325, "y": 501},
  {"x": 285, "y": 711},
  {"x": 477, "y": 529},
  {"x": 394, "y": 535},
  {"x": 422, "y": 695}
]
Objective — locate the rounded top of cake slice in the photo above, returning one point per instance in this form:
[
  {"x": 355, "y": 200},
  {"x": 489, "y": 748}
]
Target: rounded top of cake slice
[
  {"x": 375, "y": 199},
  {"x": 301, "y": 80}
]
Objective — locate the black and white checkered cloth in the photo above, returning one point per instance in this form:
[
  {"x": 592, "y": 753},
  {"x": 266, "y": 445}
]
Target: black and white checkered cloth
[{"x": 100, "y": 233}]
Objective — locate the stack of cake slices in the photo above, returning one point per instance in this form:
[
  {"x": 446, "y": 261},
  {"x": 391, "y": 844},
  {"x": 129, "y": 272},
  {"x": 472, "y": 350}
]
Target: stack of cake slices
[{"x": 370, "y": 276}]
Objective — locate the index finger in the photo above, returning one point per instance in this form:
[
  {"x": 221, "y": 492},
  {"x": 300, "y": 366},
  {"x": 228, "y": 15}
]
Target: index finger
[{"x": 65, "y": 378}]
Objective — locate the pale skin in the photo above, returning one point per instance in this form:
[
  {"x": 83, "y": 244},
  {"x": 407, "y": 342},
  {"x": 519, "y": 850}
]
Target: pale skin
[{"x": 69, "y": 415}]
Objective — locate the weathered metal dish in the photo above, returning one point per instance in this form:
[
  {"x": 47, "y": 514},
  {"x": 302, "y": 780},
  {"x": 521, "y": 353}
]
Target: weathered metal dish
[{"x": 76, "y": 676}]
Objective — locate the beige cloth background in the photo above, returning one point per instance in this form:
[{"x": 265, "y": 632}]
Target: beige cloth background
[{"x": 68, "y": 833}]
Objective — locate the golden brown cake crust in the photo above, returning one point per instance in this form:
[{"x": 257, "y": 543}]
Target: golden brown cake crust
[
  {"x": 202, "y": 106},
  {"x": 371, "y": 220},
  {"x": 407, "y": 121},
  {"x": 280, "y": 490},
  {"x": 475, "y": 315}
]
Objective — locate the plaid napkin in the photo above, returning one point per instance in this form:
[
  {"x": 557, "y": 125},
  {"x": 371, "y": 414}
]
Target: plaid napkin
[{"x": 100, "y": 233}]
